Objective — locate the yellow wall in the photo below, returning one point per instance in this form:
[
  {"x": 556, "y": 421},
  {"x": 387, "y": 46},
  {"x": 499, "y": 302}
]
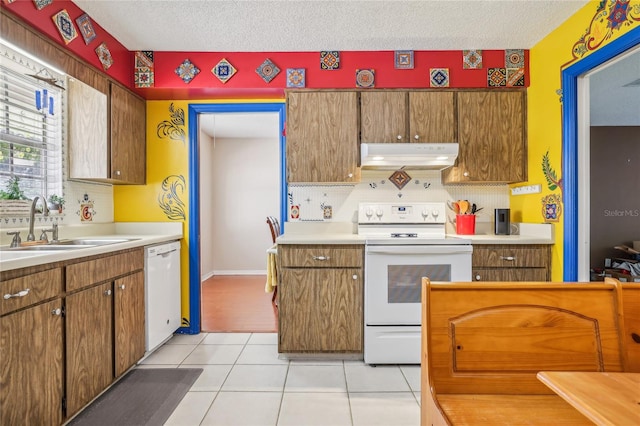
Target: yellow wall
[
  {"x": 167, "y": 155},
  {"x": 547, "y": 59}
]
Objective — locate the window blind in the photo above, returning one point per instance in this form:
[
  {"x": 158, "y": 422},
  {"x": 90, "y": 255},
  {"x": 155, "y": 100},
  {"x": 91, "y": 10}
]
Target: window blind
[{"x": 30, "y": 139}]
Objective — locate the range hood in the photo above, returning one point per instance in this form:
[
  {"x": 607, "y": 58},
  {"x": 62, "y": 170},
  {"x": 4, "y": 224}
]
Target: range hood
[{"x": 422, "y": 156}]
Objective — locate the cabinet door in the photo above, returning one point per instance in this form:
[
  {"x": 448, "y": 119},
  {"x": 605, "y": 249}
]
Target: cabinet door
[
  {"x": 88, "y": 132},
  {"x": 89, "y": 367},
  {"x": 129, "y": 321},
  {"x": 510, "y": 274},
  {"x": 383, "y": 117},
  {"x": 322, "y": 137},
  {"x": 432, "y": 117},
  {"x": 31, "y": 381},
  {"x": 491, "y": 133},
  {"x": 320, "y": 310},
  {"x": 128, "y": 136}
]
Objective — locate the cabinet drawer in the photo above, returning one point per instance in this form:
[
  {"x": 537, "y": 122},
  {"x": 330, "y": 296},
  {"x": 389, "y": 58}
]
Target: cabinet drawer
[
  {"x": 84, "y": 274},
  {"x": 320, "y": 256},
  {"x": 510, "y": 274},
  {"x": 514, "y": 256},
  {"x": 41, "y": 286}
]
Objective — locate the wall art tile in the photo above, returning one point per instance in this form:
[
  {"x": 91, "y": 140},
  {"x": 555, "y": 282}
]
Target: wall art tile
[
  {"x": 496, "y": 77},
  {"x": 329, "y": 60},
  {"x": 65, "y": 26},
  {"x": 514, "y": 58},
  {"x": 86, "y": 28},
  {"x": 366, "y": 78},
  {"x": 144, "y": 59},
  {"x": 268, "y": 70},
  {"x": 104, "y": 54},
  {"x": 439, "y": 77},
  {"x": 187, "y": 71},
  {"x": 224, "y": 70},
  {"x": 403, "y": 59},
  {"x": 515, "y": 77},
  {"x": 400, "y": 178},
  {"x": 296, "y": 77},
  {"x": 143, "y": 77},
  {"x": 472, "y": 59},
  {"x": 40, "y": 4}
]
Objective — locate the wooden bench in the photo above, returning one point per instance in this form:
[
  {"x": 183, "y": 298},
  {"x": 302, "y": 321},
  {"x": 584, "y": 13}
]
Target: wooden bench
[{"x": 483, "y": 344}]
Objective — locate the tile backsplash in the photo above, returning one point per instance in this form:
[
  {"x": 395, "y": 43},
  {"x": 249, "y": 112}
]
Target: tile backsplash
[{"x": 375, "y": 186}]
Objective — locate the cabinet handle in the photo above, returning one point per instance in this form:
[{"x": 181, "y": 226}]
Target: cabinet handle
[
  {"x": 107, "y": 293},
  {"x": 122, "y": 287},
  {"x": 354, "y": 276},
  {"x": 56, "y": 312},
  {"x": 509, "y": 258},
  {"x": 21, "y": 293},
  {"x": 321, "y": 258},
  {"x": 399, "y": 137},
  {"x": 478, "y": 277},
  {"x": 350, "y": 175},
  {"x": 117, "y": 172},
  {"x": 465, "y": 174},
  {"x": 416, "y": 137}
]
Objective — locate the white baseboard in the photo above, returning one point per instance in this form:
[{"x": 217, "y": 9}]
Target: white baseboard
[{"x": 233, "y": 272}]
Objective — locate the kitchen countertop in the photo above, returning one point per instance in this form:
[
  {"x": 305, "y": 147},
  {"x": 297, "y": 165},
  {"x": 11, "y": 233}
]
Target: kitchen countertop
[
  {"x": 141, "y": 234},
  {"x": 346, "y": 233}
]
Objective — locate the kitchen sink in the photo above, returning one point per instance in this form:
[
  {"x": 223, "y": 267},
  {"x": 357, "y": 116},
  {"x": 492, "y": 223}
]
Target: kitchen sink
[
  {"x": 44, "y": 247},
  {"x": 70, "y": 244}
]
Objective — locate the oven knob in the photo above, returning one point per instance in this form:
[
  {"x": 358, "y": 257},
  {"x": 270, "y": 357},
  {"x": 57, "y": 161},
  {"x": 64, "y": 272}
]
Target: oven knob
[
  {"x": 369, "y": 213},
  {"x": 425, "y": 214},
  {"x": 435, "y": 214},
  {"x": 379, "y": 213}
]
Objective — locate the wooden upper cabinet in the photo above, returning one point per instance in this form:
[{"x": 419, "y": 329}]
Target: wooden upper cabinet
[
  {"x": 322, "y": 137},
  {"x": 432, "y": 117},
  {"x": 383, "y": 117},
  {"x": 128, "y": 137},
  {"x": 492, "y": 138}
]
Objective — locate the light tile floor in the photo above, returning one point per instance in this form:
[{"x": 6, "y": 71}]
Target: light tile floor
[{"x": 244, "y": 382}]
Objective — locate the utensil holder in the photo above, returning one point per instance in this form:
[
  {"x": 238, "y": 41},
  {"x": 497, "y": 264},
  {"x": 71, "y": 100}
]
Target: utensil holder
[{"x": 465, "y": 224}]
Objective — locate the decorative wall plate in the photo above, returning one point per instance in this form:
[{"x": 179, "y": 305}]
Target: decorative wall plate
[
  {"x": 187, "y": 71},
  {"x": 329, "y": 60},
  {"x": 496, "y": 77},
  {"x": 472, "y": 59},
  {"x": 514, "y": 58},
  {"x": 86, "y": 28},
  {"x": 104, "y": 55},
  {"x": 404, "y": 59},
  {"x": 296, "y": 77},
  {"x": 400, "y": 178},
  {"x": 40, "y": 4},
  {"x": 223, "y": 70},
  {"x": 366, "y": 78},
  {"x": 65, "y": 26},
  {"x": 515, "y": 77},
  {"x": 268, "y": 70},
  {"x": 439, "y": 77}
]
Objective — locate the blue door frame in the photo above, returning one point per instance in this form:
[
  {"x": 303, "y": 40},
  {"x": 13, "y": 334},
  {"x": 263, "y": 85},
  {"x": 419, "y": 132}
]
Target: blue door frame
[
  {"x": 194, "y": 192},
  {"x": 570, "y": 141}
]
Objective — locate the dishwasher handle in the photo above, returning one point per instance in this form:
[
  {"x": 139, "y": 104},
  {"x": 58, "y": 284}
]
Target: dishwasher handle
[{"x": 165, "y": 253}]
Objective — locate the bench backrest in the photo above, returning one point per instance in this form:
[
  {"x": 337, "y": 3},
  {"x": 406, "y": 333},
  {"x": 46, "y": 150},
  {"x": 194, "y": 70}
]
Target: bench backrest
[{"x": 493, "y": 337}]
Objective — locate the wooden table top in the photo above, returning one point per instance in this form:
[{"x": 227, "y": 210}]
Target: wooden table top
[{"x": 604, "y": 398}]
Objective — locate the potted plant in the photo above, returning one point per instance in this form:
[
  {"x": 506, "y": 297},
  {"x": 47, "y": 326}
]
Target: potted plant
[
  {"x": 56, "y": 202},
  {"x": 12, "y": 199}
]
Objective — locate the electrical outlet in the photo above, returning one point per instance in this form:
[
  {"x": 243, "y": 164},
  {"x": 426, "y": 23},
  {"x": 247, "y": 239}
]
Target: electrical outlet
[{"x": 527, "y": 189}]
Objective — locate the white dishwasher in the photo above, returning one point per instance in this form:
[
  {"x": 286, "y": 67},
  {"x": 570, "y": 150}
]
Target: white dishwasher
[{"x": 162, "y": 293}]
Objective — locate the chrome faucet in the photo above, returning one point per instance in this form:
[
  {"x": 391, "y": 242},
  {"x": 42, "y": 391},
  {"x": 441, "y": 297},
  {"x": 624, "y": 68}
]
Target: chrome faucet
[{"x": 32, "y": 212}]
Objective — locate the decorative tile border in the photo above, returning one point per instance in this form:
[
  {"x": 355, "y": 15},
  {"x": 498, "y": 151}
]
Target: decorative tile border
[
  {"x": 439, "y": 77},
  {"x": 514, "y": 58},
  {"x": 65, "y": 26},
  {"x": 472, "y": 59},
  {"x": 86, "y": 28},
  {"x": 187, "y": 71},
  {"x": 329, "y": 60},
  {"x": 104, "y": 55},
  {"x": 40, "y": 4},
  {"x": 403, "y": 59},
  {"x": 223, "y": 70},
  {"x": 144, "y": 74},
  {"x": 496, "y": 77},
  {"x": 366, "y": 78},
  {"x": 268, "y": 70},
  {"x": 515, "y": 77},
  {"x": 296, "y": 77}
]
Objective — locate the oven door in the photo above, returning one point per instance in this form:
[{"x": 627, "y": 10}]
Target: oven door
[{"x": 393, "y": 278}]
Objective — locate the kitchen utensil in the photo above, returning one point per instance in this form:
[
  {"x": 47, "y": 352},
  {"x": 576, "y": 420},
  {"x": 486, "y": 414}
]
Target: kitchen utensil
[
  {"x": 454, "y": 206},
  {"x": 464, "y": 206}
]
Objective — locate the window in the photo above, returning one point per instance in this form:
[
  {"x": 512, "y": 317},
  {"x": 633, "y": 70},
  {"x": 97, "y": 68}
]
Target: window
[{"x": 30, "y": 127}]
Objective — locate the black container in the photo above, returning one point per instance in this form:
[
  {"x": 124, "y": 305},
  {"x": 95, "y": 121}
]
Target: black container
[{"x": 502, "y": 221}]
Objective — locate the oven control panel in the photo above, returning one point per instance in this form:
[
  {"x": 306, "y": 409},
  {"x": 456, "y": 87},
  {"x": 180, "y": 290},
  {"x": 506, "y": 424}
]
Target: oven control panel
[{"x": 410, "y": 213}]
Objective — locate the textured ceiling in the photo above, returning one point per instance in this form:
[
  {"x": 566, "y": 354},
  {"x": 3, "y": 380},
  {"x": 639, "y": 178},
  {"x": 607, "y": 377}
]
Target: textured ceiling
[{"x": 280, "y": 26}]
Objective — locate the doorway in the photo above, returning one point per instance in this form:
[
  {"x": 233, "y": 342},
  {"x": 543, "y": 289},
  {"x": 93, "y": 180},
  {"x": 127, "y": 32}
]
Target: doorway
[
  {"x": 197, "y": 112},
  {"x": 575, "y": 116}
]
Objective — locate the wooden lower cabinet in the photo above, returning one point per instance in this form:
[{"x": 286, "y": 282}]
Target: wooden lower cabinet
[
  {"x": 511, "y": 262},
  {"x": 129, "y": 324},
  {"x": 89, "y": 344},
  {"x": 320, "y": 310},
  {"x": 31, "y": 366}
]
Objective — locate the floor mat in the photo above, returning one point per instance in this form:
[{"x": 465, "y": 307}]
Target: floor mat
[{"x": 145, "y": 396}]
